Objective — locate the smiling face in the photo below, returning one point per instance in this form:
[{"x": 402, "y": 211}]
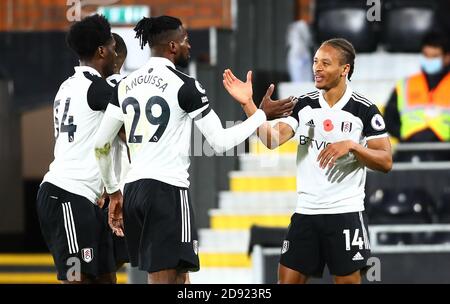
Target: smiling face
[{"x": 328, "y": 68}]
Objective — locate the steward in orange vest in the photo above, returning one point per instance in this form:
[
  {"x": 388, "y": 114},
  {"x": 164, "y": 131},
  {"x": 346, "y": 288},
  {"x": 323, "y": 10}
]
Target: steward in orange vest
[{"x": 419, "y": 107}]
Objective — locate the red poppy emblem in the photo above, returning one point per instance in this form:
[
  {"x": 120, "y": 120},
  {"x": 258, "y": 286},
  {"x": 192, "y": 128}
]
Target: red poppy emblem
[{"x": 328, "y": 125}]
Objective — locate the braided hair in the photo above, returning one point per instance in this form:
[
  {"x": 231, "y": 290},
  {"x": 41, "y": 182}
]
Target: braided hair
[
  {"x": 155, "y": 30},
  {"x": 347, "y": 51}
]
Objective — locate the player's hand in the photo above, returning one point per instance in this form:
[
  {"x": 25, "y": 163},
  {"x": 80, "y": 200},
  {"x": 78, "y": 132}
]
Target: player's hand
[
  {"x": 115, "y": 213},
  {"x": 276, "y": 108},
  {"x": 241, "y": 91},
  {"x": 332, "y": 152},
  {"x": 103, "y": 199}
]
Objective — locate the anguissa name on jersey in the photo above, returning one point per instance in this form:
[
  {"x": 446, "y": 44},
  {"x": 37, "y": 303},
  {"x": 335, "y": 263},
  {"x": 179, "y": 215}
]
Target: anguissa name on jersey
[{"x": 147, "y": 79}]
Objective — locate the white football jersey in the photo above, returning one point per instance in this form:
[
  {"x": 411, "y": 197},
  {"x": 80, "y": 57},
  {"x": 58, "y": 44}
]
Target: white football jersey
[
  {"x": 120, "y": 159},
  {"x": 157, "y": 105},
  {"x": 78, "y": 112},
  {"x": 341, "y": 188}
]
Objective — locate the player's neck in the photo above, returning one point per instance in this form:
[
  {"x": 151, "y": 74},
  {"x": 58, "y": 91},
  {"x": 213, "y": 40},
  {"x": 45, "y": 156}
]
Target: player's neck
[
  {"x": 93, "y": 65},
  {"x": 333, "y": 95},
  {"x": 158, "y": 52}
]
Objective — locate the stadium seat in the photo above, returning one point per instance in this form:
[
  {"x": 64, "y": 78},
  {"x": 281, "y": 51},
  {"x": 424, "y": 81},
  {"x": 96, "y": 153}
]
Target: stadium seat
[
  {"x": 268, "y": 237},
  {"x": 346, "y": 19},
  {"x": 410, "y": 238},
  {"x": 404, "y": 23},
  {"x": 407, "y": 206},
  {"x": 443, "y": 209}
]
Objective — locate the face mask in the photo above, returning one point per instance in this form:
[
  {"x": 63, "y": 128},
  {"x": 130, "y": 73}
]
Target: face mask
[{"x": 431, "y": 65}]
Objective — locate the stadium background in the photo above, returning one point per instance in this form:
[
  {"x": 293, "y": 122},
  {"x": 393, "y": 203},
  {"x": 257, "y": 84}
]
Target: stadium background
[{"x": 250, "y": 186}]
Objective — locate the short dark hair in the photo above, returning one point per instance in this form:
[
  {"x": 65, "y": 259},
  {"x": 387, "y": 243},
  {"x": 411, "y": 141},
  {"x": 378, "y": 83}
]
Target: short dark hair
[
  {"x": 155, "y": 30},
  {"x": 85, "y": 36},
  {"x": 121, "y": 47},
  {"x": 347, "y": 51},
  {"x": 436, "y": 38}
]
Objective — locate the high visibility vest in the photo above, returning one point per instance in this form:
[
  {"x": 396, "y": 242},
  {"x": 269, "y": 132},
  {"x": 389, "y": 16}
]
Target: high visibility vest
[{"x": 421, "y": 108}]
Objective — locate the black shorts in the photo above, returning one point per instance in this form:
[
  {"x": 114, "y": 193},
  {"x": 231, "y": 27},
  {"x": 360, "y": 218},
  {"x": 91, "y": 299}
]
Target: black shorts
[
  {"x": 340, "y": 241},
  {"x": 73, "y": 227},
  {"x": 159, "y": 227}
]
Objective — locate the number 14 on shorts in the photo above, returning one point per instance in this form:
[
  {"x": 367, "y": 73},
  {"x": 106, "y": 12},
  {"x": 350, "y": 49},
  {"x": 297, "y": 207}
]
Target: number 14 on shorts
[{"x": 357, "y": 240}]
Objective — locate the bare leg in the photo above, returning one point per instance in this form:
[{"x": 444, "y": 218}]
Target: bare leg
[
  {"x": 170, "y": 276},
  {"x": 84, "y": 279},
  {"x": 107, "y": 278},
  {"x": 290, "y": 276},
  {"x": 354, "y": 278},
  {"x": 187, "y": 280}
]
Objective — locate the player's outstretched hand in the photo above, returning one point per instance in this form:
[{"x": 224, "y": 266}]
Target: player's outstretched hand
[
  {"x": 115, "y": 213},
  {"x": 239, "y": 90},
  {"x": 276, "y": 108}
]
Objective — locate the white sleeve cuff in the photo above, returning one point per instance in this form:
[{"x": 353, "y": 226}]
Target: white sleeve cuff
[
  {"x": 377, "y": 136},
  {"x": 291, "y": 121}
]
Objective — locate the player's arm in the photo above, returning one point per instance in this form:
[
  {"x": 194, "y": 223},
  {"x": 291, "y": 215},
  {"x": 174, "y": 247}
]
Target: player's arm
[
  {"x": 109, "y": 127},
  {"x": 272, "y": 137},
  {"x": 99, "y": 93},
  {"x": 376, "y": 156},
  {"x": 222, "y": 139},
  {"x": 192, "y": 98}
]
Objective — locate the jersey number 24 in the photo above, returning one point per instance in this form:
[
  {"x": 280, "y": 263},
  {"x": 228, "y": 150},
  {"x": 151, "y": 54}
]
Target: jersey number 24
[{"x": 69, "y": 128}]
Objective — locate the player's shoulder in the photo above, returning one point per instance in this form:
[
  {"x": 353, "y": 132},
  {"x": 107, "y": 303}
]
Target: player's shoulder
[
  {"x": 97, "y": 82},
  {"x": 92, "y": 77},
  {"x": 310, "y": 99},
  {"x": 190, "y": 84},
  {"x": 311, "y": 96},
  {"x": 360, "y": 100},
  {"x": 360, "y": 106},
  {"x": 182, "y": 76}
]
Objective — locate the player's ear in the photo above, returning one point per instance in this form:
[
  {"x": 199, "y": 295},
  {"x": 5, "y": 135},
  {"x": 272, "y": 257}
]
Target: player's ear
[
  {"x": 173, "y": 47},
  {"x": 346, "y": 70},
  {"x": 101, "y": 51}
]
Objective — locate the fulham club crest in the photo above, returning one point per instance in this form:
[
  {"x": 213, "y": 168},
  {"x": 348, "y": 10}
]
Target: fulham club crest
[
  {"x": 285, "y": 247},
  {"x": 346, "y": 127},
  {"x": 87, "y": 254},
  {"x": 195, "y": 246}
]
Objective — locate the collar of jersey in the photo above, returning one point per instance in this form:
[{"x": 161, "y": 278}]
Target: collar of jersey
[
  {"x": 117, "y": 77},
  {"x": 340, "y": 104},
  {"x": 85, "y": 68},
  {"x": 162, "y": 61}
]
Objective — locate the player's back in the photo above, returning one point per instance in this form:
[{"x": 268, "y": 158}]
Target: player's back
[
  {"x": 75, "y": 123},
  {"x": 157, "y": 103}
]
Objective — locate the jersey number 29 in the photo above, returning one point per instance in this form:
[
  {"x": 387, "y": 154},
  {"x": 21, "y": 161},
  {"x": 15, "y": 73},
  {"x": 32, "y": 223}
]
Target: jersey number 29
[{"x": 161, "y": 121}]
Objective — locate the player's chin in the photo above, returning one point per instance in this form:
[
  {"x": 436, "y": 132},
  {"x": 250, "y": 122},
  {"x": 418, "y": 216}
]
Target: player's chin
[{"x": 320, "y": 85}]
